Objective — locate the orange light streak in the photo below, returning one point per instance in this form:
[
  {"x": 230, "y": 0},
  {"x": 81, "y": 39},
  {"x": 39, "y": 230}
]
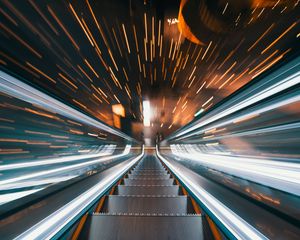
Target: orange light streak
[
  {"x": 80, "y": 104},
  {"x": 265, "y": 60},
  {"x": 63, "y": 28},
  {"x": 21, "y": 41},
  {"x": 40, "y": 72},
  {"x": 89, "y": 65},
  {"x": 264, "y": 34},
  {"x": 277, "y": 39},
  {"x": 135, "y": 39},
  {"x": 126, "y": 39},
  {"x": 68, "y": 81}
]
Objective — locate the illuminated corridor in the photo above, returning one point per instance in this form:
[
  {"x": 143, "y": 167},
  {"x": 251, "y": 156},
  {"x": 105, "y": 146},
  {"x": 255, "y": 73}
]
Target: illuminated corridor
[{"x": 150, "y": 119}]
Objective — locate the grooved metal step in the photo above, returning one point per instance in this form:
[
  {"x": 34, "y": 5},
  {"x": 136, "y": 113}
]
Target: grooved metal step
[
  {"x": 148, "y": 172},
  {"x": 133, "y": 174},
  {"x": 145, "y": 177},
  {"x": 112, "y": 227},
  {"x": 147, "y": 205},
  {"x": 160, "y": 176},
  {"x": 148, "y": 190},
  {"x": 138, "y": 182},
  {"x": 153, "y": 204},
  {"x": 154, "y": 168}
]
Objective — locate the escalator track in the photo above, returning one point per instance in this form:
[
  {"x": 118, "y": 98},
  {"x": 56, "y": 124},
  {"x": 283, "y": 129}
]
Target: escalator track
[{"x": 148, "y": 203}]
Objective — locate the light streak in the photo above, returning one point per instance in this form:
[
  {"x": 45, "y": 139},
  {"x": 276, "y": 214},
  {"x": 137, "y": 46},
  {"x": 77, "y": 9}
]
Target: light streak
[
  {"x": 8, "y": 17},
  {"x": 107, "y": 150},
  {"x": 192, "y": 72},
  {"x": 238, "y": 227},
  {"x": 79, "y": 103},
  {"x": 199, "y": 112},
  {"x": 50, "y": 226},
  {"x": 63, "y": 28},
  {"x": 35, "y": 183},
  {"x": 277, "y": 39},
  {"x": 277, "y": 174},
  {"x": 135, "y": 39},
  {"x": 225, "y": 8},
  {"x": 61, "y": 170},
  {"x": 78, "y": 20},
  {"x": 92, "y": 69},
  {"x": 201, "y": 87},
  {"x": 146, "y": 31},
  {"x": 268, "y": 66},
  {"x": 146, "y": 113},
  {"x": 227, "y": 71},
  {"x": 4, "y": 198},
  {"x": 20, "y": 90},
  {"x": 40, "y": 72},
  {"x": 206, "y": 50},
  {"x": 21, "y": 41},
  {"x": 204, "y": 104},
  {"x": 127, "y": 43},
  {"x": 265, "y": 60},
  {"x": 224, "y": 83},
  {"x": 67, "y": 80},
  {"x": 158, "y": 36},
  {"x": 241, "y": 75},
  {"x": 145, "y": 49},
  {"x": 115, "y": 36},
  {"x": 283, "y": 82},
  {"x": 171, "y": 47},
  {"x": 44, "y": 17}
]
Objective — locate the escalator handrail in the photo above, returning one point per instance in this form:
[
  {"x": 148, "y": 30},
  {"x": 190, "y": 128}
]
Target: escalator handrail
[
  {"x": 232, "y": 225},
  {"x": 54, "y": 224}
]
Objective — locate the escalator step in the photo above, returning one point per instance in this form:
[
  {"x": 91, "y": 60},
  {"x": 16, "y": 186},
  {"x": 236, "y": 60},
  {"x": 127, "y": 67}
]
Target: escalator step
[
  {"x": 148, "y": 177},
  {"x": 150, "y": 168},
  {"x": 153, "y": 204},
  {"x": 111, "y": 227},
  {"x": 165, "y": 174},
  {"x": 148, "y": 190},
  {"x": 149, "y": 172},
  {"x": 147, "y": 205},
  {"x": 139, "y": 182}
]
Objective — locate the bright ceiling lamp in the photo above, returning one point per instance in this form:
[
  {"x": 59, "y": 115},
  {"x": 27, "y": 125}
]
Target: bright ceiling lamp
[{"x": 146, "y": 113}]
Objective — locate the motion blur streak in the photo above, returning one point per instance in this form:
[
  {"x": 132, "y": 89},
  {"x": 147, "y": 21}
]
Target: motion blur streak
[
  {"x": 38, "y": 182},
  {"x": 51, "y": 144},
  {"x": 64, "y": 169},
  {"x": 277, "y": 82},
  {"x": 51, "y": 225},
  {"x": 279, "y": 175},
  {"x": 214, "y": 84},
  {"x": 4, "y": 198},
  {"x": 238, "y": 227},
  {"x": 107, "y": 151},
  {"x": 20, "y": 90},
  {"x": 253, "y": 135}
]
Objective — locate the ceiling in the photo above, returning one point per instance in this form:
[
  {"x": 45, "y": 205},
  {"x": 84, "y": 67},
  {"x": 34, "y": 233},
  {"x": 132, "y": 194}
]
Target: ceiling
[{"x": 182, "y": 56}]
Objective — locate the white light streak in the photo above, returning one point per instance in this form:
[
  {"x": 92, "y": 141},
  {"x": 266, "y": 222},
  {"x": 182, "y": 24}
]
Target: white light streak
[
  {"x": 51, "y": 225},
  {"x": 4, "y": 198},
  {"x": 277, "y": 174},
  {"x": 199, "y": 112},
  {"x": 20, "y": 90},
  {"x": 237, "y": 226},
  {"x": 63, "y": 169},
  {"x": 146, "y": 113},
  {"x": 269, "y": 90},
  {"x": 106, "y": 151}
]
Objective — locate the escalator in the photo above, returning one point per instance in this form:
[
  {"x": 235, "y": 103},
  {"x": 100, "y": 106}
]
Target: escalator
[{"x": 148, "y": 203}]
